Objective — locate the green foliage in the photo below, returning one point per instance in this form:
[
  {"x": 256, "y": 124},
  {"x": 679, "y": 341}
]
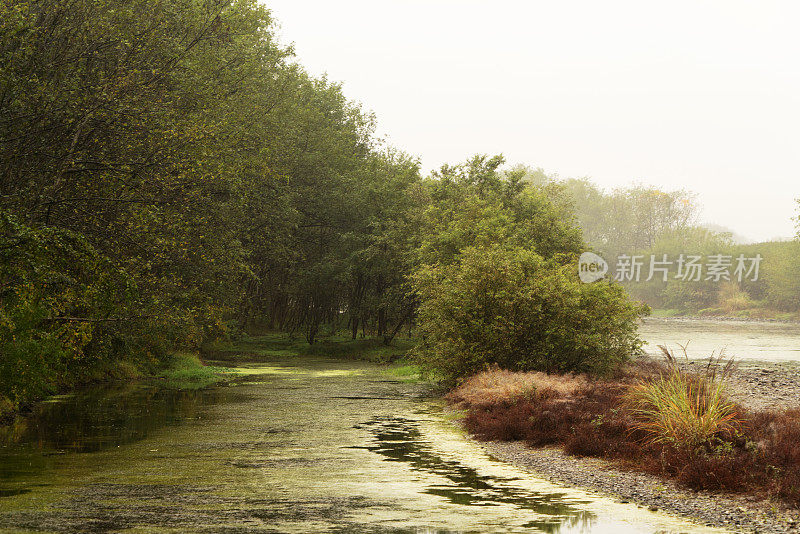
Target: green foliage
[
  {"x": 359, "y": 349},
  {"x": 645, "y": 221},
  {"x": 779, "y": 286},
  {"x": 189, "y": 180},
  {"x": 171, "y": 178},
  {"x": 474, "y": 204},
  {"x": 497, "y": 282},
  {"x": 630, "y": 219},
  {"x": 511, "y": 307},
  {"x": 60, "y": 299},
  {"x": 676, "y": 293},
  {"x": 405, "y": 371}
]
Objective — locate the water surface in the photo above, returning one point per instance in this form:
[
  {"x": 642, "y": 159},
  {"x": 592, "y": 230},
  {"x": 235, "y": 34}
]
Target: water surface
[
  {"x": 299, "y": 445},
  {"x": 743, "y": 340}
]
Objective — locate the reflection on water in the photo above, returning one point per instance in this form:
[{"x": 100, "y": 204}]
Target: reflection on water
[
  {"x": 399, "y": 440},
  {"x": 107, "y": 417},
  {"x": 739, "y": 339}
]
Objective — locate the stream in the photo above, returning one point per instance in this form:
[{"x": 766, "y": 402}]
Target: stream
[{"x": 298, "y": 444}]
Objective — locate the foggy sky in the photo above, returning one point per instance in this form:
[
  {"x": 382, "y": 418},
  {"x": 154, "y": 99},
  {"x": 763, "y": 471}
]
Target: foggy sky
[{"x": 697, "y": 95}]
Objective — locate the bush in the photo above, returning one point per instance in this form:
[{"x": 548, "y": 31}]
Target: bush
[
  {"x": 55, "y": 291},
  {"x": 512, "y": 308},
  {"x": 733, "y": 299},
  {"x": 778, "y": 439}
]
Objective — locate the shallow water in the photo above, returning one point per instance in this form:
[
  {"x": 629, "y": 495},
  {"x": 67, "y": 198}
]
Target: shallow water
[
  {"x": 777, "y": 342},
  {"x": 298, "y": 445}
]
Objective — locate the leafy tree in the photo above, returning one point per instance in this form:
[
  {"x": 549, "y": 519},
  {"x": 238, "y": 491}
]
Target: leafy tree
[
  {"x": 497, "y": 279},
  {"x": 629, "y": 219},
  {"x": 510, "y": 307},
  {"x": 61, "y": 303}
]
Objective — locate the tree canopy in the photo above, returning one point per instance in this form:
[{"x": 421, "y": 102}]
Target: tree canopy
[{"x": 170, "y": 175}]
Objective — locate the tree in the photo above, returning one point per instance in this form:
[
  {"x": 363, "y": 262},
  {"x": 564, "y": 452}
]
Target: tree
[
  {"x": 497, "y": 280},
  {"x": 510, "y": 307}
]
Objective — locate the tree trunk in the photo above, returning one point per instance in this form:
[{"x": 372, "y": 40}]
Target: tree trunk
[
  {"x": 388, "y": 339},
  {"x": 381, "y": 321}
]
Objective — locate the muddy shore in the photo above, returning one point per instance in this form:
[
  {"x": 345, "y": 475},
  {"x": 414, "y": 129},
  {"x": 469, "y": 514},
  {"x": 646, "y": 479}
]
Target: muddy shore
[{"x": 755, "y": 385}]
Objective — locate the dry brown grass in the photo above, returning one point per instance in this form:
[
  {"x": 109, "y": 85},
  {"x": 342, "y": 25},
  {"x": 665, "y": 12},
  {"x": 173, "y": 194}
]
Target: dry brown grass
[
  {"x": 591, "y": 418},
  {"x": 498, "y": 386}
]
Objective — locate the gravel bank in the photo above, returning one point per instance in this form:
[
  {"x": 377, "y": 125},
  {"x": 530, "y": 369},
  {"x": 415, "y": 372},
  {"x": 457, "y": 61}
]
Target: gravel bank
[
  {"x": 756, "y": 385},
  {"x": 764, "y": 385},
  {"x": 738, "y": 513}
]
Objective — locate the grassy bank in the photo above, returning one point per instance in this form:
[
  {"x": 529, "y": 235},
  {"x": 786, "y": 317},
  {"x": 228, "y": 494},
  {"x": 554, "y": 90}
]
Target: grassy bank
[
  {"x": 185, "y": 370},
  {"x": 653, "y": 418}
]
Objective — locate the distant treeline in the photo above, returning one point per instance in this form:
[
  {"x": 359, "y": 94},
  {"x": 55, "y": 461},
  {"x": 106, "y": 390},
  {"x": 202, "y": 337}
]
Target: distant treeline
[{"x": 647, "y": 221}]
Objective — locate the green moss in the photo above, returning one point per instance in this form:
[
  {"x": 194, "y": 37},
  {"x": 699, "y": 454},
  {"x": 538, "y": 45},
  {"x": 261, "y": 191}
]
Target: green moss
[
  {"x": 186, "y": 371},
  {"x": 404, "y": 370}
]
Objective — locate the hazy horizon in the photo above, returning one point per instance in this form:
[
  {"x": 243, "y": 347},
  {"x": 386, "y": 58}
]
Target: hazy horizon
[{"x": 700, "y": 96}]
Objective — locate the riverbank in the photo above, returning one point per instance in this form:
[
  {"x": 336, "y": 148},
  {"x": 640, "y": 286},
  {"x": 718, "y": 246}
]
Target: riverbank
[
  {"x": 393, "y": 357},
  {"x": 180, "y": 371},
  {"x": 187, "y": 370},
  {"x": 755, "y": 315},
  {"x": 754, "y": 385},
  {"x": 714, "y": 509}
]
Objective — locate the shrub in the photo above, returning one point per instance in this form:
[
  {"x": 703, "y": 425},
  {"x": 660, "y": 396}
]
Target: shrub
[
  {"x": 503, "y": 423},
  {"x": 733, "y": 299},
  {"x": 721, "y": 468},
  {"x": 55, "y": 291},
  {"x": 585, "y": 417},
  {"x": 512, "y": 308},
  {"x": 777, "y": 436}
]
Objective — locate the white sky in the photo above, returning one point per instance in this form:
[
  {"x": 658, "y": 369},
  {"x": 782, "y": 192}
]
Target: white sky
[{"x": 684, "y": 94}]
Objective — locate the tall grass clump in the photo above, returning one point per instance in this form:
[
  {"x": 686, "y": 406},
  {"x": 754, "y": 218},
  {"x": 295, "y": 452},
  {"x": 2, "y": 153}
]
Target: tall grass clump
[{"x": 682, "y": 409}]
